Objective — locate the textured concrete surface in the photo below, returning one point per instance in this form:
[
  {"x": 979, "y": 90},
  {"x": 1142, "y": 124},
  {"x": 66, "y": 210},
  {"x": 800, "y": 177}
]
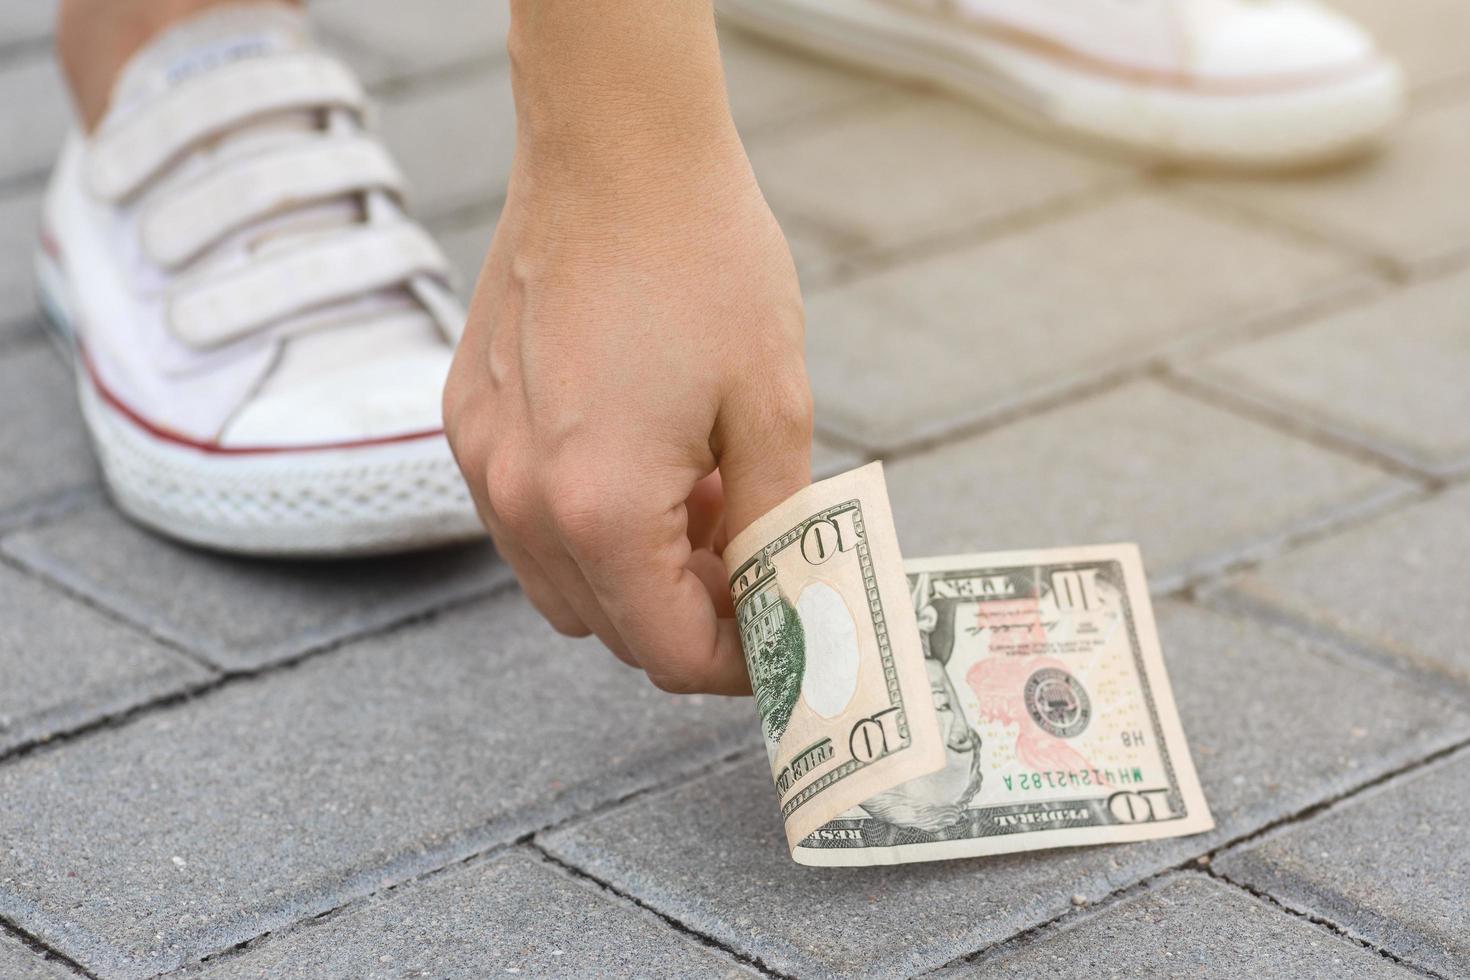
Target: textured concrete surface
[
  {"x": 771, "y": 88},
  {"x": 1186, "y": 926},
  {"x": 1385, "y": 374},
  {"x": 711, "y": 853},
  {"x": 89, "y": 666},
  {"x": 1394, "y": 587},
  {"x": 44, "y": 452},
  {"x": 1247, "y": 693},
  {"x": 992, "y": 326},
  {"x": 434, "y": 131},
  {"x": 425, "y": 36},
  {"x": 513, "y": 914},
  {"x": 19, "y": 962},
  {"x": 1391, "y": 867},
  {"x": 393, "y": 769},
  {"x": 25, "y": 24},
  {"x": 1424, "y": 35},
  {"x": 20, "y": 216},
  {"x": 1194, "y": 485},
  {"x": 902, "y": 172},
  {"x": 261, "y": 803},
  {"x": 1407, "y": 207},
  {"x": 242, "y": 615},
  {"x": 36, "y": 115}
]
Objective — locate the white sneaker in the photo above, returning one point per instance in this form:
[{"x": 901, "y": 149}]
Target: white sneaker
[
  {"x": 1254, "y": 83},
  {"x": 261, "y": 335}
]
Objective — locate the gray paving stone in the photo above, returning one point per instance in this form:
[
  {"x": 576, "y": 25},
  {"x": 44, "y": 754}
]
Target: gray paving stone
[
  {"x": 20, "y": 216},
  {"x": 1391, "y": 866},
  {"x": 1185, "y": 926},
  {"x": 466, "y": 244},
  {"x": 36, "y": 117},
  {"x": 983, "y": 329},
  {"x": 412, "y": 38},
  {"x": 1422, "y": 34},
  {"x": 242, "y": 614},
  {"x": 1247, "y": 689},
  {"x": 1389, "y": 375},
  {"x": 916, "y": 168},
  {"x": 454, "y": 141},
  {"x": 19, "y": 962},
  {"x": 63, "y": 665},
  {"x": 829, "y": 460},
  {"x": 43, "y": 446},
  {"x": 710, "y": 853},
  {"x": 27, "y": 22},
  {"x": 771, "y": 87},
  {"x": 1394, "y": 587},
  {"x": 1195, "y": 486},
  {"x": 1405, "y": 206},
  {"x": 270, "y": 800},
  {"x": 507, "y": 915}
]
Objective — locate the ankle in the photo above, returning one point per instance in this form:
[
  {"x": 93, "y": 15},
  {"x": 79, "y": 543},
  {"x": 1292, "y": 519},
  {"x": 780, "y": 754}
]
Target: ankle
[{"x": 95, "y": 39}]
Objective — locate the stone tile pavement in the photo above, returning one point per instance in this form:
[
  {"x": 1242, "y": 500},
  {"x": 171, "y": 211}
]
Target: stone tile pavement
[{"x": 393, "y": 769}]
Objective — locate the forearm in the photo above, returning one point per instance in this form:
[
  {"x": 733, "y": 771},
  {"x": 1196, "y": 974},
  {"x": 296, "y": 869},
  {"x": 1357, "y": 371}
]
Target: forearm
[{"x": 613, "y": 96}]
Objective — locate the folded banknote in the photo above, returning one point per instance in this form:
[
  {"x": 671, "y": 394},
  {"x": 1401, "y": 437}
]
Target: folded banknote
[{"x": 953, "y": 707}]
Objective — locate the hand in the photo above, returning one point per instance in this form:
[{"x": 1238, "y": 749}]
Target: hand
[{"x": 631, "y": 383}]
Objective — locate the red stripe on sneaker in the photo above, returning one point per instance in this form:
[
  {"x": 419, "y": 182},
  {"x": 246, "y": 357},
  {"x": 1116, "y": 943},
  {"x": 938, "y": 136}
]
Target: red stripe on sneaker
[{"x": 164, "y": 434}]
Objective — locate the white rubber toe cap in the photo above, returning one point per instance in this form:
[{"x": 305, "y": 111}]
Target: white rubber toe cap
[
  {"x": 378, "y": 399},
  {"x": 1283, "y": 41}
]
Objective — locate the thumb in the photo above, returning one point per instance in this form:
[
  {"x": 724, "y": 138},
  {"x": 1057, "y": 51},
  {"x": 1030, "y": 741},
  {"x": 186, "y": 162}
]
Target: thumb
[{"x": 764, "y": 451}]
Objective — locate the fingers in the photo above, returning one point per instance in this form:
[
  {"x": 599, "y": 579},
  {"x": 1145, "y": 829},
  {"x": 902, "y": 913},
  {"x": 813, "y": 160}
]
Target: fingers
[
  {"x": 517, "y": 515},
  {"x": 544, "y": 595},
  {"x": 634, "y": 551}
]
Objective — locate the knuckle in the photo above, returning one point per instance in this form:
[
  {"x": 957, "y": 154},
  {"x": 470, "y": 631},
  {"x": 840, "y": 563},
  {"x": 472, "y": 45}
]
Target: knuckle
[
  {"x": 582, "y": 512},
  {"x": 790, "y": 409},
  {"x": 511, "y": 495}
]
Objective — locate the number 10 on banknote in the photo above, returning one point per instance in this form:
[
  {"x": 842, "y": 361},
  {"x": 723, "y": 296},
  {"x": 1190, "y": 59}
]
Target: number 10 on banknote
[{"x": 953, "y": 707}]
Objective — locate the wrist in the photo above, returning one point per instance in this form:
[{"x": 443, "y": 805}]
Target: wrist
[{"x": 608, "y": 90}]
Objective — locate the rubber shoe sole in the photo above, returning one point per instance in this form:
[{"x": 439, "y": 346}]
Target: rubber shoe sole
[{"x": 1309, "y": 125}]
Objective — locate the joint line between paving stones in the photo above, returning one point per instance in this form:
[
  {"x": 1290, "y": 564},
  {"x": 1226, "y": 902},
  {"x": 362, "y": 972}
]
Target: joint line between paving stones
[
  {"x": 1202, "y": 576},
  {"x": 1317, "y": 920},
  {"x": 1075, "y": 915},
  {"x": 23, "y": 49},
  {"x": 525, "y": 839},
  {"x": 221, "y": 678},
  {"x": 244, "y": 946},
  {"x": 1322, "y": 806},
  {"x": 1303, "y": 232},
  {"x": 702, "y": 938},
  {"x": 417, "y": 81},
  {"x": 1357, "y": 649},
  {"x": 41, "y": 511},
  {"x": 1153, "y": 363},
  {"x": 880, "y": 259},
  {"x": 1297, "y": 426},
  {"x": 1063, "y": 397},
  {"x": 1204, "y": 860},
  {"x": 36, "y": 945}
]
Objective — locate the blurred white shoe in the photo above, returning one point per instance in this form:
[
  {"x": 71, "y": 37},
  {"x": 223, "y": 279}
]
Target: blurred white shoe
[
  {"x": 261, "y": 335},
  {"x": 1246, "y": 83}
]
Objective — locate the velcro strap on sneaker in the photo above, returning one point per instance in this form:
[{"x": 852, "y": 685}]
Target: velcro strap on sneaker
[
  {"x": 129, "y": 151},
  {"x": 187, "y": 221},
  {"x": 273, "y": 287}
]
